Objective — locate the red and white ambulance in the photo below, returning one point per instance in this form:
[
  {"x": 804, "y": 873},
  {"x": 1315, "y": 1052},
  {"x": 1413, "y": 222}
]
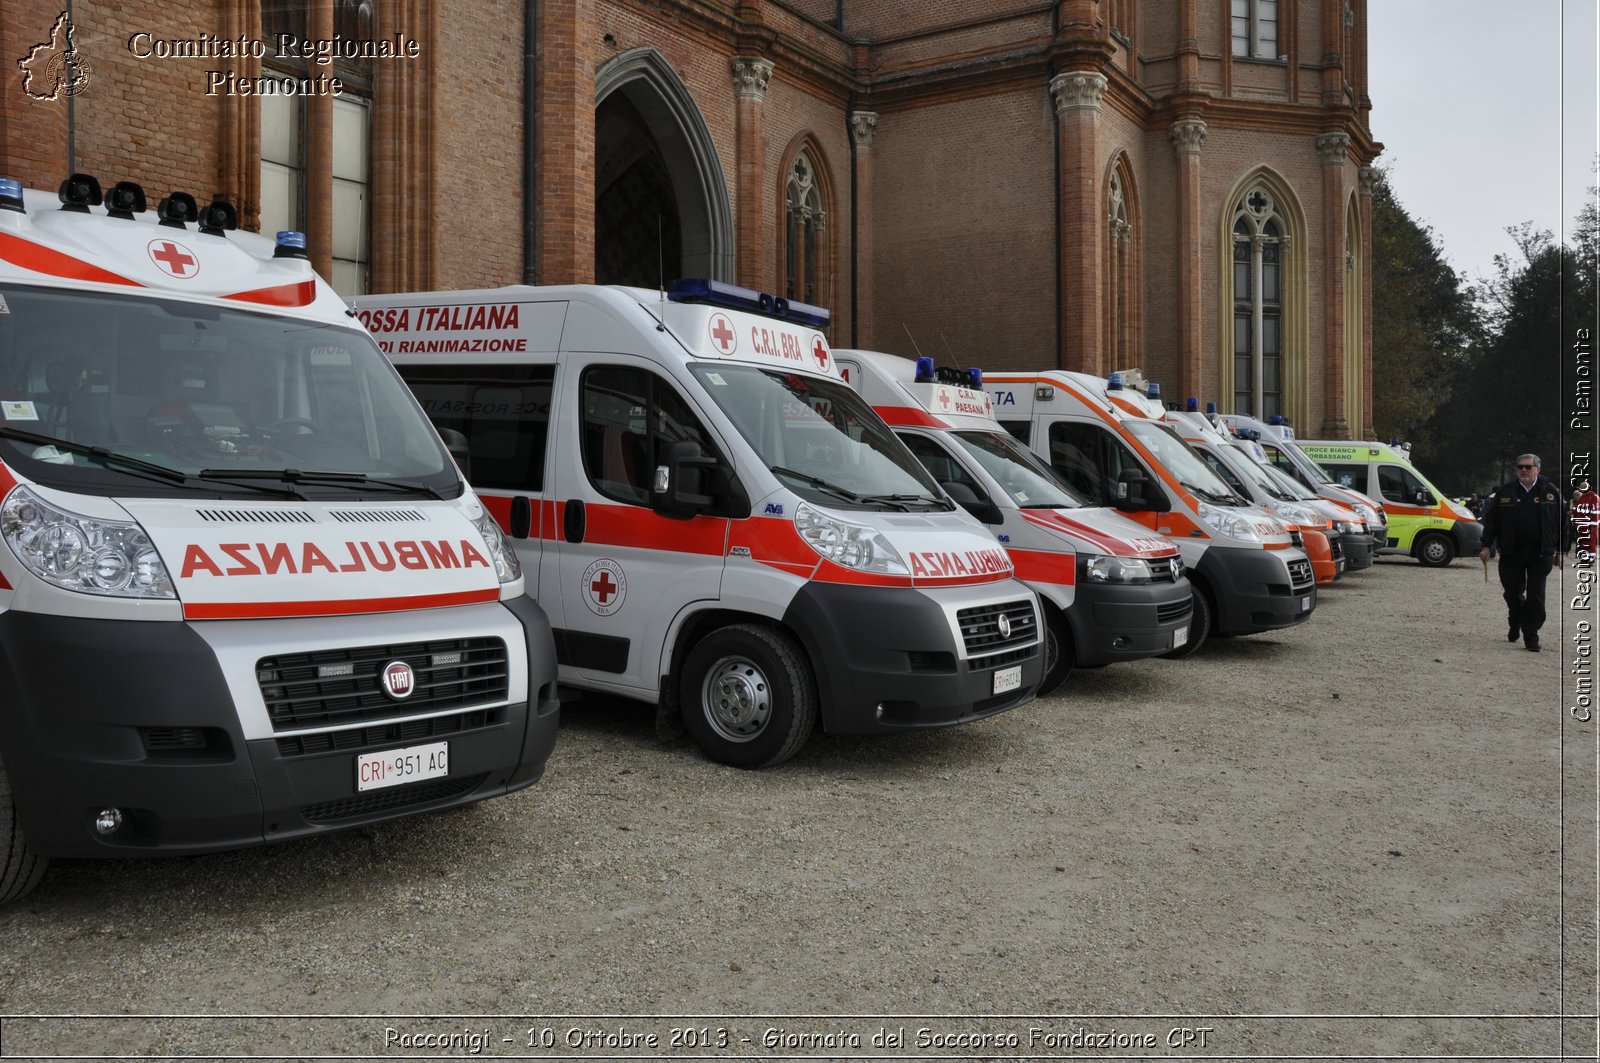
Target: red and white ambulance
[
  {"x": 245, "y": 594},
  {"x": 1109, "y": 441},
  {"x": 1112, "y": 590},
  {"x": 716, "y": 522}
]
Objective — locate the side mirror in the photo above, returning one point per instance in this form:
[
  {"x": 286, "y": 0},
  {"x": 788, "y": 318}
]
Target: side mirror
[
  {"x": 456, "y": 443},
  {"x": 1136, "y": 494},
  {"x": 968, "y": 499},
  {"x": 688, "y": 482}
]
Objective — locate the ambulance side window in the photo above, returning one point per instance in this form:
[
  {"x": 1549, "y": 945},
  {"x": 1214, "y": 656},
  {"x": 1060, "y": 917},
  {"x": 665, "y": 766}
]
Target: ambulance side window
[
  {"x": 1089, "y": 459},
  {"x": 503, "y": 410},
  {"x": 629, "y": 418},
  {"x": 1021, "y": 430},
  {"x": 941, "y": 463},
  {"x": 1281, "y": 460},
  {"x": 1399, "y": 485},
  {"x": 1352, "y": 476},
  {"x": 1218, "y": 466}
]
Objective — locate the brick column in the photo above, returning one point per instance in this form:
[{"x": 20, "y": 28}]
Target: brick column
[
  {"x": 319, "y": 152},
  {"x": 1187, "y": 135},
  {"x": 405, "y": 155},
  {"x": 863, "y": 128},
  {"x": 564, "y": 105},
  {"x": 239, "y": 158},
  {"x": 1077, "y": 100},
  {"x": 755, "y": 267},
  {"x": 1332, "y": 147},
  {"x": 1366, "y": 177}
]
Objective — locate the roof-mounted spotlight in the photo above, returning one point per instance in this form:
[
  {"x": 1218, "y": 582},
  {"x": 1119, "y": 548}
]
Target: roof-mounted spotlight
[
  {"x": 219, "y": 217},
  {"x": 177, "y": 210},
  {"x": 291, "y": 244},
  {"x": 79, "y": 192},
  {"x": 125, "y": 200}
]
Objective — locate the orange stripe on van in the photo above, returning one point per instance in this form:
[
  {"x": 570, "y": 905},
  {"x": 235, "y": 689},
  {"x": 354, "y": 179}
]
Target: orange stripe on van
[{"x": 31, "y": 256}]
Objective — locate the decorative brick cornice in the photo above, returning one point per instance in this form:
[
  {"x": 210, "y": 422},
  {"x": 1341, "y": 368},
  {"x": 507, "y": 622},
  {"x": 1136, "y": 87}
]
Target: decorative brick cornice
[
  {"x": 750, "y": 77},
  {"x": 1187, "y": 134},
  {"x": 1078, "y": 90},
  {"x": 863, "y": 127},
  {"x": 1333, "y": 147}
]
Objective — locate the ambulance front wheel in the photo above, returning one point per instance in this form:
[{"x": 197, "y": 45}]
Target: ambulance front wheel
[
  {"x": 1059, "y": 652},
  {"x": 20, "y": 867},
  {"x": 1435, "y": 550},
  {"x": 748, "y": 696},
  {"x": 1200, "y": 624}
]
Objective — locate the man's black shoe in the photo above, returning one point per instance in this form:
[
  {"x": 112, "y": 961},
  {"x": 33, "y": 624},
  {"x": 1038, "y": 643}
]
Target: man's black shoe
[
  {"x": 1532, "y": 643},
  {"x": 1512, "y": 634}
]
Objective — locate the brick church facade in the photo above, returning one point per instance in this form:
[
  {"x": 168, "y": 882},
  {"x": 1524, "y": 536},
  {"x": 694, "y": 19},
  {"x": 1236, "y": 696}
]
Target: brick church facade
[{"x": 1182, "y": 186}]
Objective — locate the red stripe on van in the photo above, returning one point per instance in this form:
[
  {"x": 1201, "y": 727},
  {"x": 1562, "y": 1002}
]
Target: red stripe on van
[
  {"x": 908, "y": 417},
  {"x": 1042, "y": 566},
  {"x": 337, "y": 607},
  {"x": 301, "y": 293},
  {"x": 29, "y": 255},
  {"x": 641, "y": 529}
]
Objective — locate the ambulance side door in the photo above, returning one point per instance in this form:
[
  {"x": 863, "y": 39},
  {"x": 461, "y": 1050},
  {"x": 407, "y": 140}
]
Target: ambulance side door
[
  {"x": 625, "y": 572},
  {"x": 504, "y": 411}
]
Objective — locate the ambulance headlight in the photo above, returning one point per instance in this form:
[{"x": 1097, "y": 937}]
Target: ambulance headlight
[
  {"x": 1366, "y": 513},
  {"x": 1351, "y": 527},
  {"x": 1104, "y": 568},
  {"x": 77, "y": 553},
  {"x": 844, "y": 543},
  {"x": 1229, "y": 522},
  {"x": 1294, "y": 514},
  {"x": 506, "y": 565}
]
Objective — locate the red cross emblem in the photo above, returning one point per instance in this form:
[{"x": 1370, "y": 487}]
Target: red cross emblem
[
  {"x": 722, "y": 333},
  {"x": 820, "y": 353},
  {"x": 944, "y": 400},
  {"x": 173, "y": 259},
  {"x": 603, "y": 587}
]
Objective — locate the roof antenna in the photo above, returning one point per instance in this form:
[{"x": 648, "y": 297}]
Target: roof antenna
[
  {"x": 953, "y": 359},
  {"x": 912, "y": 338}
]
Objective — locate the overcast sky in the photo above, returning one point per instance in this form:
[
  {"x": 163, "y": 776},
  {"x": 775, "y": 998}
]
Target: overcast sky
[{"x": 1485, "y": 124}]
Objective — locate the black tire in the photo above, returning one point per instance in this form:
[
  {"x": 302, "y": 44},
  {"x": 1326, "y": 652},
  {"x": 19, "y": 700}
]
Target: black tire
[
  {"x": 748, "y": 696},
  {"x": 1201, "y": 620},
  {"x": 1434, "y": 550},
  {"x": 1060, "y": 652},
  {"x": 20, "y": 867}
]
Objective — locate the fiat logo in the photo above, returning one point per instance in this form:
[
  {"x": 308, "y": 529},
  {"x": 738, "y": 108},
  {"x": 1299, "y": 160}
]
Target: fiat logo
[
  {"x": 398, "y": 680},
  {"x": 1005, "y": 626}
]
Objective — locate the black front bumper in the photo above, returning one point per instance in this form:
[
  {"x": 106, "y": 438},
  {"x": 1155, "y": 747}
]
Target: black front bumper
[
  {"x": 1122, "y": 622},
  {"x": 1359, "y": 550},
  {"x": 886, "y": 658},
  {"x": 152, "y": 730},
  {"x": 1252, "y": 589}
]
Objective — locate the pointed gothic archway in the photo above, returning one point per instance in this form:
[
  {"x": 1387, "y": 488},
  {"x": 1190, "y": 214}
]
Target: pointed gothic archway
[{"x": 661, "y": 200}]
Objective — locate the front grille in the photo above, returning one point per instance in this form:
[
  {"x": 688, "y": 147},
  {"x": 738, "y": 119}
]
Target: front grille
[
  {"x": 1161, "y": 570},
  {"x": 422, "y": 793},
  {"x": 380, "y": 735},
  {"x": 450, "y": 673},
  {"x": 980, "y": 627},
  {"x": 1300, "y": 577},
  {"x": 164, "y": 739},
  {"x": 1335, "y": 547},
  {"x": 1171, "y": 612},
  {"x": 1296, "y": 538}
]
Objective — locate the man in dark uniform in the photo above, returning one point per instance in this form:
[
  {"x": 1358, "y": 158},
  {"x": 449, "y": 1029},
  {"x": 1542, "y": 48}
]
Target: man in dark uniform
[{"x": 1526, "y": 520}]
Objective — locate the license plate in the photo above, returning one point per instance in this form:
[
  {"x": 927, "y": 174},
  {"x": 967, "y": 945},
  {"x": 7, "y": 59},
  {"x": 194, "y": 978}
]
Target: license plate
[
  {"x": 1008, "y": 679},
  {"x": 393, "y": 767},
  {"x": 1180, "y": 636},
  {"x": 1305, "y": 604}
]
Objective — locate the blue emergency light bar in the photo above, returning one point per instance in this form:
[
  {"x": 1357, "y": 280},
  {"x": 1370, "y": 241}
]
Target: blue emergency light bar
[
  {"x": 924, "y": 373},
  {"x": 1192, "y": 405},
  {"x": 1211, "y": 407},
  {"x": 1114, "y": 382},
  {"x": 10, "y": 193},
  {"x": 733, "y": 297},
  {"x": 291, "y": 244},
  {"x": 1153, "y": 391}
]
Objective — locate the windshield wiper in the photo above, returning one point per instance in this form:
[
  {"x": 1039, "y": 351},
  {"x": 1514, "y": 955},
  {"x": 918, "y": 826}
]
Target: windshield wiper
[
  {"x": 301, "y": 476},
  {"x": 905, "y": 501},
  {"x": 820, "y": 484},
  {"x": 104, "y": 454}
]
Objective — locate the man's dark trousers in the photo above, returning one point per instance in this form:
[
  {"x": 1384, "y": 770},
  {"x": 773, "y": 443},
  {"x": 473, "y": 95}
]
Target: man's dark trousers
[{"x": 1522, "y": 575}]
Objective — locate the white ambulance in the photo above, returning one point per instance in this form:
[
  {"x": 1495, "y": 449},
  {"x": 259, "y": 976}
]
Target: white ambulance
[
  {"x": 1108, "y": 441},
  {"x": 1112, "y": 590},
  {"x": 245, "y": 594},
  {"x": 715, "y": 521}
]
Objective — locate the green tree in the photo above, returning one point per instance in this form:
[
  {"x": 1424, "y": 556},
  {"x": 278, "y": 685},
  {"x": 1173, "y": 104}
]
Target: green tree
[{"x": 1424, "y": 326}]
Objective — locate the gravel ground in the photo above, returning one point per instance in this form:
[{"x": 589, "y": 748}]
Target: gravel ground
[{"x": 1344, "y": 838}]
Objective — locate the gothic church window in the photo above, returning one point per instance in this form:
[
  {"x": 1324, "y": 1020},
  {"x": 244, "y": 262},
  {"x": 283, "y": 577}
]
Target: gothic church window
[
  {"x": 1259, "y": 250},
  {"x": 803, "y": 245}
]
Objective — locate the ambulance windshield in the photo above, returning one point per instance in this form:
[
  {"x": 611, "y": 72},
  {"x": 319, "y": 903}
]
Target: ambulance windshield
[
  {"x": 1174, "y": 454},
  {"x": 1257, "y": 474},
  {"x": 143, "y": 394},
  {"x": 1030, "y": 482},
  {"x": 820, "y": 437}
]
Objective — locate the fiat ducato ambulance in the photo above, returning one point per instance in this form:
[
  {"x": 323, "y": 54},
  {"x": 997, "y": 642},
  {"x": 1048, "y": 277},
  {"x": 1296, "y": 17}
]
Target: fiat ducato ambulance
[
  {"x": 245, "y": 594},
  {"x": 1423, "y": 522},
  {"x": 715, "y": 521},
  {"x": 1111, "y": 590},
  {"x": 1310, "y": 530},
  {"x": 1276, "y": 438},
  {"x": 1109, "y": 443}
]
